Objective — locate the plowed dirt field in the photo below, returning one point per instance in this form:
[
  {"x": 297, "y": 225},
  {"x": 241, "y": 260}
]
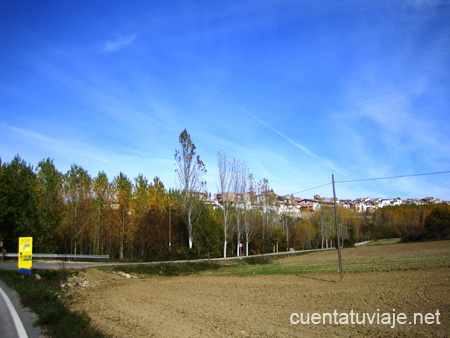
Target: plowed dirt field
[{"x": 261, "y": 306}]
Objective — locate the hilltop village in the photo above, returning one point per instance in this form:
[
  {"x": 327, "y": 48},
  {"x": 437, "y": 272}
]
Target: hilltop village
[{"x": 297, "y": 206}]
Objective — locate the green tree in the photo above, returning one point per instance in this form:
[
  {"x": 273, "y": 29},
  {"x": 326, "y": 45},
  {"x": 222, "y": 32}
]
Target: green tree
[
  {"x": 141, "y": 205},
  {"x": 50, "y": 206},
  {"x": 79, "y": 197},
  {"x": 18, "y": 203},
  {"x": 149, "y": 221},
  {"x": 277, "y": 237},
  {"x": 208, "y": 232},
  {"x": 437, "y": 224},
  {"x": 102, "y": 202},
  {"x": 306, "y": 233}
]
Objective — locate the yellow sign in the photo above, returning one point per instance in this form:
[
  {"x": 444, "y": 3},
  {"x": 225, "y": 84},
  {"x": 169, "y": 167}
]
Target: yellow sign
[{"x": 25, "y": 254}]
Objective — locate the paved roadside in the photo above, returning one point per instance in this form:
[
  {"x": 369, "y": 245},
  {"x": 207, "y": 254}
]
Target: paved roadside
[{"x": 9, "y": 323}]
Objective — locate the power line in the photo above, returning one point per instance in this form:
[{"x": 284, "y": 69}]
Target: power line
[
  {"x": 390, "y": 177},
  {"x": 320, "y": 186},
  {"x": 373, "y": 179}
]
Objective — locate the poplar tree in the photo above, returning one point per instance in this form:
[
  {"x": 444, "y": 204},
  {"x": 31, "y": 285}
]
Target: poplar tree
[
  {"x": 123, "y": 194},
  {"x": 190, "y": 170},
  {"x": 249, "y": 224},
  {"x": 224, "y": 188},
  {"x": 78, "y": 196},
  {"x": 49, "y": 206},
  {"x": 103, "y": 192},
  {"x": 240, "y": 181}
]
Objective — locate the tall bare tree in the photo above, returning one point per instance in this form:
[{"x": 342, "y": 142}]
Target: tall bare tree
[
  {"x": 240, "y": 181},
  {"x": 224, "y": 189},
  {"x": 249, "y": 224},
  {"x": 327, "y": 230},
  {"x": 190, "y": 170},
  {"x": 263, "y": 200}
]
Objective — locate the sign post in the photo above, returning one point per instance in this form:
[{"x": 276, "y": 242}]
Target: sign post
[
  {"x": 341, "y": 272},
  {"x": 25, "y": 254},
  {"x": 3, "y": 250}
]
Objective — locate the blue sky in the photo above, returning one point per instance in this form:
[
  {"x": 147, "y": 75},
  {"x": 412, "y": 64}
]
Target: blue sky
[{"x": 298, "y": 90}]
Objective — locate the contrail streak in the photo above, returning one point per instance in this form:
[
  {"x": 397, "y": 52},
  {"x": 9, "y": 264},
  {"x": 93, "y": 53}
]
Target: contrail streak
[
  {"x": 302, "y": 148},
  {"x": 328, "y": 163}
]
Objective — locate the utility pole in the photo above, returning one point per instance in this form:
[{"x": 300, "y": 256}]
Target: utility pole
[
  {"x": 170, "y": 231},
  {"x": 341, "y": 272}
]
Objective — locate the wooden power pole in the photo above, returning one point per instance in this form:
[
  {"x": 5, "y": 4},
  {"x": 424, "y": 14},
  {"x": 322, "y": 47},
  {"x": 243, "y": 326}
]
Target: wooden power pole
[
  {"x": 170, "y": 231},
  {"x": 341, "y": 272}
]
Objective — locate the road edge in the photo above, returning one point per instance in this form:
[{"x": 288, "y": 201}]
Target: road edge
[{"x": 26, "y": 316}]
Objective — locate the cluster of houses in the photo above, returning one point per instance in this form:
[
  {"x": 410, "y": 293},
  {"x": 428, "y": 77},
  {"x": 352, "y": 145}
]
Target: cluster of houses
[{"x": 289, "y": 204}]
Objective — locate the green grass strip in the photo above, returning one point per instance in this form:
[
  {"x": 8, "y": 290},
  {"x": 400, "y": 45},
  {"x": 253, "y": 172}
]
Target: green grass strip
[
  {"x": 363, "y": 265},
  {"x": 165, "y": 269},
  {"x": 385, "y": 241}
]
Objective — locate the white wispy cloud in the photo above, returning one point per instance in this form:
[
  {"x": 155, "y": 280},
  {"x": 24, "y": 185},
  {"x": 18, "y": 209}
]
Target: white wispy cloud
[
  {"x": 385, "y": 131},
  {"x": 60, "y": 145},
  {"x": 401, "y": 128},
  {"x": 36, "y": 145},
  {"x": 118, "y": 43}
]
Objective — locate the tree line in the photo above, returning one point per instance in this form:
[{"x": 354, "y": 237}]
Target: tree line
[{"x": 139, "y": 219}]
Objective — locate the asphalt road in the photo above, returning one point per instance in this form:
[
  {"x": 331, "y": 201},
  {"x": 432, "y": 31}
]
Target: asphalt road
[
  {"x": 12, "y": 264},
  {"x": 15, "y": 321}
]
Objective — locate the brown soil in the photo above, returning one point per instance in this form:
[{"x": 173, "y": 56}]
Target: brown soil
[{"x": 261, "y": 306}]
